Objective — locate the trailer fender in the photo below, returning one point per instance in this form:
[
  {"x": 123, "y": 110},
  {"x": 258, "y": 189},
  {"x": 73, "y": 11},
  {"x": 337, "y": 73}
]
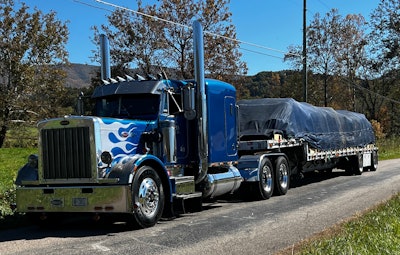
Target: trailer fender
[{"x": 250, "y": 165}]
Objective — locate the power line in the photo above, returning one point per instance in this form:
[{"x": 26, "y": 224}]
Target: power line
[
  {"x": 189, "y": 27},
  {"x": 325, "y": 5},
  {"x": 92, "y": 6},
  {"x": 142, "y": 14},
  {"x": 375, "y": 93},
  {"x": 262, "y": 53}
]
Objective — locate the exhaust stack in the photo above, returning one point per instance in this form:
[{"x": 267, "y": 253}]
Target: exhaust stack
[
  {"x": 201, "y": 107},
  {"x": 105, "y": 57}
]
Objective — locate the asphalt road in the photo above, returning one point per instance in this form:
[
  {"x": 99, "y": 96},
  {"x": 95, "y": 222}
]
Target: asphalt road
[{"x": 229, "y": 226}]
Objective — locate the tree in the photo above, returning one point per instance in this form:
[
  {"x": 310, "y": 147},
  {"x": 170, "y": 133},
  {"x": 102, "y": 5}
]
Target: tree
[
  {"x": 152, "y": 44},
  {"x": 351, "y": 54},
  {"x": 321, "y": 46},
  {"x": 385, "y": 34},
  {"x": 134, "y": 40},
  {"x": 334, "y": 48},
  {"x": 31, "y": 46},
  {"x": 383, "y": 66}
]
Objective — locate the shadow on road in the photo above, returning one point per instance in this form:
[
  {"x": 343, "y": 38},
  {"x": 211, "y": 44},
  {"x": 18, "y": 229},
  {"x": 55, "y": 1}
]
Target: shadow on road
[
  {"x": 71, "y": 227},
  {"x": 316, "y": 176}
]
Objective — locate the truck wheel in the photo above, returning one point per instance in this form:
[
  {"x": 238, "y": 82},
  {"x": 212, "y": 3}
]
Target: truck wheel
[
  {"x": 281, "y": 176},
  {"x": 265, "y": 187},
  {"x": 148, "y": 197},
  {"x": 374, "y": 161},
  {"x": 357, "y": 164}
]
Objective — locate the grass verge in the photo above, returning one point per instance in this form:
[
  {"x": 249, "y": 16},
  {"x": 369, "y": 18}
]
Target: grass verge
[
  {"x": 376, "y": 231},
  {"x": 389, "y": 148},
  {"x": 12, "y": 160}
]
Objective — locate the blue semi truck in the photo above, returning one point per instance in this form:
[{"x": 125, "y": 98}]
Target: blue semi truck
[{"x": 154, "y": 147}]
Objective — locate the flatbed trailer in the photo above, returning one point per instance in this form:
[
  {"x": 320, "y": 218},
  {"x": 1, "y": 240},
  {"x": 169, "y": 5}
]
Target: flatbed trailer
[
  {"x": 267, "y": 166},
  {"x": 280, "y": 138},
  {"x": 368, "y": 152}
]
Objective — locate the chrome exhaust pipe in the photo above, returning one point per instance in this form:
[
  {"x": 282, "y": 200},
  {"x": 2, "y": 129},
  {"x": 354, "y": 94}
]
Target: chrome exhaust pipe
[
  {"x": 201, "y": 106},
  {"x": 105, "y": 57}
]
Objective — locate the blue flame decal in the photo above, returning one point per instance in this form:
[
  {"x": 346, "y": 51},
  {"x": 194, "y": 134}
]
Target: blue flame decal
[{"x": 123, "y": 136}]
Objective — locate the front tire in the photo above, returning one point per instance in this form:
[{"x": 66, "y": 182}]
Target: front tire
[{"x": 148, "y": 197}]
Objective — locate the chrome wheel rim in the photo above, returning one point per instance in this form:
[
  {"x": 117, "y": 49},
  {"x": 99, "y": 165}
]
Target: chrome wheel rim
[
  {"x": 149, "y": 197},
  {"x": 267, "y": 178},
  {"x": 283, "y": 175}
]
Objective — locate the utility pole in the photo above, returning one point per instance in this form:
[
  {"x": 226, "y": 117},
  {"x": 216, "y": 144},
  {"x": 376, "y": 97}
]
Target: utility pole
[{"x": 305, "y": 51}]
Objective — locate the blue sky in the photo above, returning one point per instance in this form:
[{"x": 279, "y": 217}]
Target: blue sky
[{"x": 274, "y": 24}]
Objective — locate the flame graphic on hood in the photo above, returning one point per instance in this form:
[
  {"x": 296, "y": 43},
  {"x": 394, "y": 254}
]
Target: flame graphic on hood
[{"x": 122, "y": 136}]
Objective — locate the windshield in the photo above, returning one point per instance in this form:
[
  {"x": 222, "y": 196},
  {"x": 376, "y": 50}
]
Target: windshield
[{"x": 143, "y": 106}]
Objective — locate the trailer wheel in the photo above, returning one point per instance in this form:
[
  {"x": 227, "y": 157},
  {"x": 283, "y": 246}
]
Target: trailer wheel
[
  {"x": 282, "y": 176},
  {"x": 374, "y": 161},
  {"x": 265, "y": 187},
  {"x": 357, "y": 164},
  {"x": 148, "y": 197}
]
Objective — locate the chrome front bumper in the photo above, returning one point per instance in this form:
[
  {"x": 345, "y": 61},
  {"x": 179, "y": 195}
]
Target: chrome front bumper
[{"x": 97, "y": 199}]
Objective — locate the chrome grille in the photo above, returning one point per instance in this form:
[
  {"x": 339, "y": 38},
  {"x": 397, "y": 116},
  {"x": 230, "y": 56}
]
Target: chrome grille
[{"x": 66, "y": 153}]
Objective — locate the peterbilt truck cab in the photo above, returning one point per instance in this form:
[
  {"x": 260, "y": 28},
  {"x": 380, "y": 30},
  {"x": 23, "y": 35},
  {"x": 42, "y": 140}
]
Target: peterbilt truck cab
[{"x": 137, "y": 153}]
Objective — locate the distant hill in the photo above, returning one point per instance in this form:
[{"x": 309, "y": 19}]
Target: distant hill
[{"x": 79, "y": 75}]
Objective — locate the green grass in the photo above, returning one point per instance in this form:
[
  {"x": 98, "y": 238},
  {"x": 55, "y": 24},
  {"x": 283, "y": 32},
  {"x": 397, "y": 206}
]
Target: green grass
[
  {"x": 377, "y": 231},
  {"x": 12, "y": 159},
  {"x": 389, "y": 148}
]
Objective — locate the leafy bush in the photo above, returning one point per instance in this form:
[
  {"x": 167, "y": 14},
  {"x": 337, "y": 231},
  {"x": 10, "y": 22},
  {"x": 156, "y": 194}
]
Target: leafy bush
[
  {"x": 12, "y": 160},
  {"x": 21, "y": 136}
]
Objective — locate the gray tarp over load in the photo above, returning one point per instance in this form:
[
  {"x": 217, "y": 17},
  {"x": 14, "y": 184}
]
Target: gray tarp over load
[{"x": 322, "y": 127}]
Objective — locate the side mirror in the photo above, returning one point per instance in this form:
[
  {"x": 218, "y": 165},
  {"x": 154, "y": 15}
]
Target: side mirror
[{"x": 189, "y": 106}]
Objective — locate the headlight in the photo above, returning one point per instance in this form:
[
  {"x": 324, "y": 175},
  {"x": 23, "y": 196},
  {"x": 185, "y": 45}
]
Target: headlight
[
  {"x": 33, "y": 160},
  {"x": 106, "y": 157}
]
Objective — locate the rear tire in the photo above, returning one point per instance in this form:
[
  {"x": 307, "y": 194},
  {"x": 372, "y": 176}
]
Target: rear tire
[
  {"x": 357, "y": 164},
  {"x": 265, "y": 187},
  {"x": 374, "y": 161},
  {"x": 282, "y": 176},
  {"x": 262, "y": 189},
  {"x": 148, "y": 197}
]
